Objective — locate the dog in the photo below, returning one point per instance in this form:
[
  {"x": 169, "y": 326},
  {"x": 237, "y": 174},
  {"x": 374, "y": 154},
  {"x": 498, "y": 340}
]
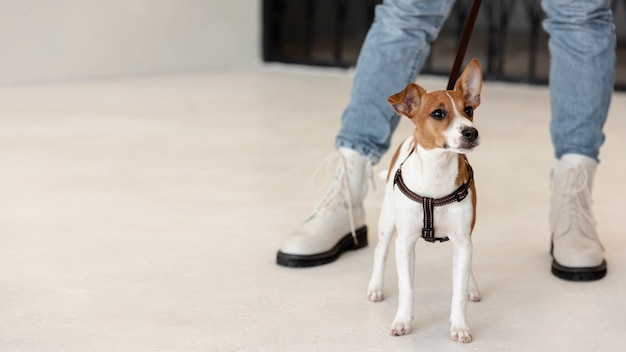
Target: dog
[{"x": 430, "y": 193}]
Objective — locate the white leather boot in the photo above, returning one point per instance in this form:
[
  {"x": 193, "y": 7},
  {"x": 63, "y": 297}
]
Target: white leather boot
[
  {"x": 338, "y": 222},
  {"x": 576, "y": 249}
]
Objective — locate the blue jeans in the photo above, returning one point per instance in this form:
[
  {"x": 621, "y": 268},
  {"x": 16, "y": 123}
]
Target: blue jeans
[
  {"x": 582, "y": 47},
  {"x": 582, "y": 73}
]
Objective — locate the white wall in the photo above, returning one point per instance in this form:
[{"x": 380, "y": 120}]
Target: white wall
[{"x": 60, "y": 40}]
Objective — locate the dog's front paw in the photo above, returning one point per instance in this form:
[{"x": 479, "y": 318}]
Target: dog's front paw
[
  {"x": 400, "y": 327},
  {"x": 375, "y": 294},
  {"x": 460, "y": 334}
]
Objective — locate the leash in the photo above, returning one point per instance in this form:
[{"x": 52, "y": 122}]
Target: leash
[{"x": 465, "y": 38}]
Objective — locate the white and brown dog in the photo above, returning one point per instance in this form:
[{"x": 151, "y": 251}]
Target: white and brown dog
[{"x": 430, "y": 193}]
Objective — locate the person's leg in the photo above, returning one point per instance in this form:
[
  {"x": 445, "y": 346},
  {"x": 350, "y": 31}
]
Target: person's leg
[
  {"x": 392, "y": 55},
  {"x": 582, "y": 71}
]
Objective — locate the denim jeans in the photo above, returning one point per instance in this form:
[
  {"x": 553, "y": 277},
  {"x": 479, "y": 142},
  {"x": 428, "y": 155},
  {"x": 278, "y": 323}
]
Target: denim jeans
[
  {"x": 582, "y": 47},
  {"x": 582, "y": 73}
]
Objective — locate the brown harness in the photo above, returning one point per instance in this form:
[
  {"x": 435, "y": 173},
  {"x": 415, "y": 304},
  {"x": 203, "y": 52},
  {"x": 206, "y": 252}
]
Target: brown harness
[{"x": 428, "y": 231}]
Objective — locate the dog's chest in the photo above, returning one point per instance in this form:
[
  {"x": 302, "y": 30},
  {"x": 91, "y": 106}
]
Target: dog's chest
[
  {"x": 411, "y": 213},
  {"x": 435, "y": 183}
]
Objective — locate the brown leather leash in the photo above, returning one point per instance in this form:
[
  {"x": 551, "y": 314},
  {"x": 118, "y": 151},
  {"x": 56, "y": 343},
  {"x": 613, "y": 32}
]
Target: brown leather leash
[{"x": 465, "y": 38}]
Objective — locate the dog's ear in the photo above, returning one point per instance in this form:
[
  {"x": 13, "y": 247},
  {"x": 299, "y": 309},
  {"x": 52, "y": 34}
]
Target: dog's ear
[
  {"x": 470, "y": 83},
  {"x": 407, "y": 100}
]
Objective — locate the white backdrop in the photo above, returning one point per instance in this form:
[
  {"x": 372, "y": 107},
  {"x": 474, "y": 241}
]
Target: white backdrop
[{"x": 61, "y": 40}]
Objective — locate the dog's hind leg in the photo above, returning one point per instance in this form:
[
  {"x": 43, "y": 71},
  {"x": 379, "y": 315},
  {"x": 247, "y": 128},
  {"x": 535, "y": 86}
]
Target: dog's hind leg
[
  {"x": 386, "y": 230},
  {"x": 473, "y": 293}
]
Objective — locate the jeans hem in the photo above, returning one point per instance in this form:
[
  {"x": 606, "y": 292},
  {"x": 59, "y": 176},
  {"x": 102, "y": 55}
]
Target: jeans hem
[{"x": 370, "y": 154}]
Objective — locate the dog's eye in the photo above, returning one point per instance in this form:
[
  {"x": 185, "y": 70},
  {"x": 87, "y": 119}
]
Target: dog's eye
[
  {"x": 438, "y": 114},
  {"x": 469, "y": 111}
]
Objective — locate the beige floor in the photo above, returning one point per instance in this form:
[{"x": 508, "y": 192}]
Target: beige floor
[{"x": 144, "y": 215}]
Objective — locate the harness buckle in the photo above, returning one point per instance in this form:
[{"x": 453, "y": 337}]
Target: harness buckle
[{"x": 429, "y": 236}]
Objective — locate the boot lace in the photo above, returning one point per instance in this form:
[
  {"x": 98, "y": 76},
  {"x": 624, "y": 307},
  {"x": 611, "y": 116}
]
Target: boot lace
[
  {"x": 337, "y": 173},
  {"x": 576, "y": 202}
]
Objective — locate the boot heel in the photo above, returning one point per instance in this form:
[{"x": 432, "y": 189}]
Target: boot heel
[{"x": 361, "y": 236}]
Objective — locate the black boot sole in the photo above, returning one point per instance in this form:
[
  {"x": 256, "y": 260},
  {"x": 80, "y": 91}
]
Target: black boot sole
[
  {"x": 346, "y": 243},
  {"x": 578, "y": 274}
]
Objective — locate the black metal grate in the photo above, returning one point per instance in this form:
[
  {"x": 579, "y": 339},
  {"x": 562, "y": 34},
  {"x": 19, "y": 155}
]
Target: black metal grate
[{"x": 508, "y": 38}]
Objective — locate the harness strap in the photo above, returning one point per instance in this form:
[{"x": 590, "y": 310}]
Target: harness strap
[
  {"x": 428, "y": 204},
  {"x": 428, "y": 231}
]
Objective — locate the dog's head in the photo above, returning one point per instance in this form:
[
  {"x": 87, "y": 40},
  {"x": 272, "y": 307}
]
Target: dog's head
[{"x": 444, "y": 119}]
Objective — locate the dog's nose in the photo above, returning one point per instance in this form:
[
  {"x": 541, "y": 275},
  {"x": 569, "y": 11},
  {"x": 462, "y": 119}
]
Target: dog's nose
[{"x": 470, "y": 134}]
